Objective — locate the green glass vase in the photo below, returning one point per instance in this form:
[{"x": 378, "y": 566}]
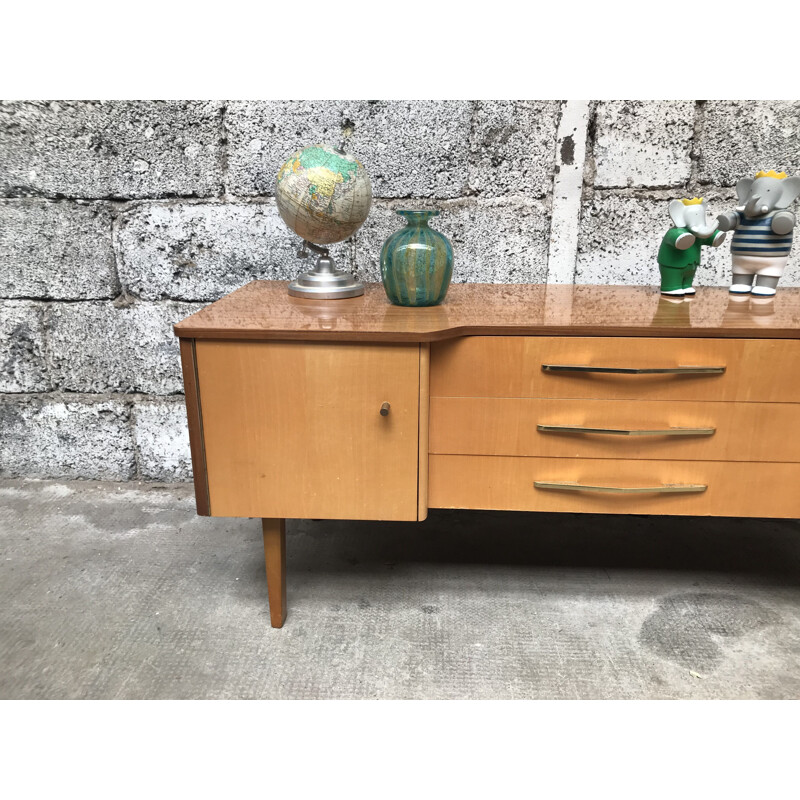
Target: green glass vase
[{"x": 416, "y": 262}]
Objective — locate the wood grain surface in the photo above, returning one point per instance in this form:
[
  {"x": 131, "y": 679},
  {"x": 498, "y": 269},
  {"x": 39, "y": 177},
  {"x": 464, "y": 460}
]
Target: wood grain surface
[
  {"x": 424, "y": 427},
  {"x": 295, "y": 430},
  {"x": 195, "y": 421},
  {"x": 274, "y": 531},
  {"x": 264, "y": 310},
  {"x": 735, "y": 489},
  {"x": 508, "y": 427},
  {"x": 757, "y": 370}
]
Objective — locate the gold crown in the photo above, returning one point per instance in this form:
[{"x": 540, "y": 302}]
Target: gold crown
[
  {"x": 771, "y": 174},
  {"x": 695, "y": 201}
]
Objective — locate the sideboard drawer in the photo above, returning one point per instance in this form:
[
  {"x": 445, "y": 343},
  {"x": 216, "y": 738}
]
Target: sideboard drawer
[
  {"x": 615, "y": 429},
  {"x": 734, "y": 489},
  {"x": 756, "y": 370},
  {"x": 296, "y": 429}
]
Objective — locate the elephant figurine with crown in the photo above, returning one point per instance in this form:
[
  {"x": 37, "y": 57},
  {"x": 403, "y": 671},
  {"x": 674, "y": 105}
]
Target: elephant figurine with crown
[
  {"x": 763, "y": 227},
  {"x": 679, "y": 254}
]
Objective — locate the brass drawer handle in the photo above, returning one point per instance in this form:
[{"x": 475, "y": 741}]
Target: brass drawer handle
[
  {"x": 626, "y": 431},
  {"x": 674, "y": 488},
  {"x": 635, "y": 371},
  {"x": 385, "y": 407}
]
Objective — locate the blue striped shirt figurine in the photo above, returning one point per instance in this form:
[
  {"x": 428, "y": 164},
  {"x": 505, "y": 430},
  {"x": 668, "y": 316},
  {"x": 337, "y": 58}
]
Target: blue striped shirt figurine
[{"x": 763, "y": 229}]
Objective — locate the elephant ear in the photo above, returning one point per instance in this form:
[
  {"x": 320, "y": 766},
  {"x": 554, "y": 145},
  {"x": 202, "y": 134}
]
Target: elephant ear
[
  {"x": 743, "y": 189},
  {"x": 676, "y": 211},
  {"x": 790, "y": 191}
]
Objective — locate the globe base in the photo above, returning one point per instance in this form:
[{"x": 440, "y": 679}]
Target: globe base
[{"x": 325, "y": 282}]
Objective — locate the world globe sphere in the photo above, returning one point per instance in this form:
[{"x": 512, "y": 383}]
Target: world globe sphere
[{"x": 323, "y": 194}]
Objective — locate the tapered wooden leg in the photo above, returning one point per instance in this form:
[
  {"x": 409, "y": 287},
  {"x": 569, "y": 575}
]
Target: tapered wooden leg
[{"x": 275, "y": 559}]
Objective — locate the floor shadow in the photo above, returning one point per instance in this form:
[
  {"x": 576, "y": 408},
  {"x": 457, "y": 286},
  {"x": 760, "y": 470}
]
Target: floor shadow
[{"x": 764, "y": 547}]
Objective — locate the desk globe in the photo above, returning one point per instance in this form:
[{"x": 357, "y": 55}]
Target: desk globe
[{"x": 324, "y": 196}]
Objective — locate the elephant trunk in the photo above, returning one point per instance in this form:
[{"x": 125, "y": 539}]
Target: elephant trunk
[
  {"x": 754, "y": 207},
  {"x": 704, "y": 231}
]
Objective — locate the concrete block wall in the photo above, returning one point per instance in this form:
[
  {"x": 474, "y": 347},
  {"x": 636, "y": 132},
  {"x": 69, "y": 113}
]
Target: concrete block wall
[{"x": 119, "y": 218}]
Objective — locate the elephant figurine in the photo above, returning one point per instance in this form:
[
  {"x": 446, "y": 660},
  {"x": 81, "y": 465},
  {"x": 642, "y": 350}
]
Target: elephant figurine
[
  {"x": 763, "y": 228},
  {"x": 679, "y": 254}
]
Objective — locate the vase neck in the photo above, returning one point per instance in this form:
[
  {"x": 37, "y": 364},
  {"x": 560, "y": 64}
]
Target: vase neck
[{"x": 417, "y": 219}]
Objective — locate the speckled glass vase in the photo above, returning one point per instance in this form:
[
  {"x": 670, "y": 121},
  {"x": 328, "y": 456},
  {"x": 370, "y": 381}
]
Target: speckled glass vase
[{"x": 416, "y": 262}]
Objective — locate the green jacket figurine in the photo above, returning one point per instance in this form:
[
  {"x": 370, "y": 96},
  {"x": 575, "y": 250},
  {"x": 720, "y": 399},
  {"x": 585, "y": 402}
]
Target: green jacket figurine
[{"x": 679, "y": 254}]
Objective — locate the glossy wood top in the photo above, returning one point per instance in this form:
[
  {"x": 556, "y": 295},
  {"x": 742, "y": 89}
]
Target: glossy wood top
[{"x": 264, "y": 310}]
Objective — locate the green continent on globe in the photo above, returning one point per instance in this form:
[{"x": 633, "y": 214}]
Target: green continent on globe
[{"x": 317, "y": 157}]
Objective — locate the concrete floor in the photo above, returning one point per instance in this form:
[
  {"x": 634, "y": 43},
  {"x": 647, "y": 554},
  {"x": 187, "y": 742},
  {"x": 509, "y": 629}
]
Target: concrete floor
[{"x": 120, "y": 591}]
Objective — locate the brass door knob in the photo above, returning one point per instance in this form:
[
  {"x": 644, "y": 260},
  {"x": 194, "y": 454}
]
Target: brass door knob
[{"x": 385, "y": 409}]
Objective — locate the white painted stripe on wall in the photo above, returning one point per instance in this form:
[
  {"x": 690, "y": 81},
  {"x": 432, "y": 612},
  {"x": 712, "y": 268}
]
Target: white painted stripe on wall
[{"x": 566, "y": 213}]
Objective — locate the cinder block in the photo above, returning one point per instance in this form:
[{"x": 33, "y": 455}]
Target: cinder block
[
  {"x": 792, "y": 275},
  {"x": 620, "y": 236},
  {"x": 54, "y": 439},
  {"x": 56, "y": 250},
  {"x": 502, "y": 243},
  {"x": 742, "y": 137},
  {"x": 161, "y": 434},
  {"x": 202, "y": 251},
  {"x": 414, "y": 148},
  {"x": 643, "y": 143},
  {"x": 492, "y": 242},
  {"x": 113, "y": 148},
  {"x": 22, "y": 362},
  {"x": 96, "y": 347},
  {"x": 619, "y": 239},
  {"x": 512, "y": 147}
]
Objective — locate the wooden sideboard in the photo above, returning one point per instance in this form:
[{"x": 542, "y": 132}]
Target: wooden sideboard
[{"x": 601, "y": 399}]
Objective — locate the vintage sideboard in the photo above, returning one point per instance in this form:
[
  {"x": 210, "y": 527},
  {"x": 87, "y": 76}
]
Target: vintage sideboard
[{"x": 601, "y": 399}]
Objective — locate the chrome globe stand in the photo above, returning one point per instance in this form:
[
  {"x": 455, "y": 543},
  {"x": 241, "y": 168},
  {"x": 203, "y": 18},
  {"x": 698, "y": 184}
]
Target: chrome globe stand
[{"x": 324, "y": 281}]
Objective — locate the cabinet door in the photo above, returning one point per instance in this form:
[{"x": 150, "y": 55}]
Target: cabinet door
[{"x": 294, "y": 429}]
